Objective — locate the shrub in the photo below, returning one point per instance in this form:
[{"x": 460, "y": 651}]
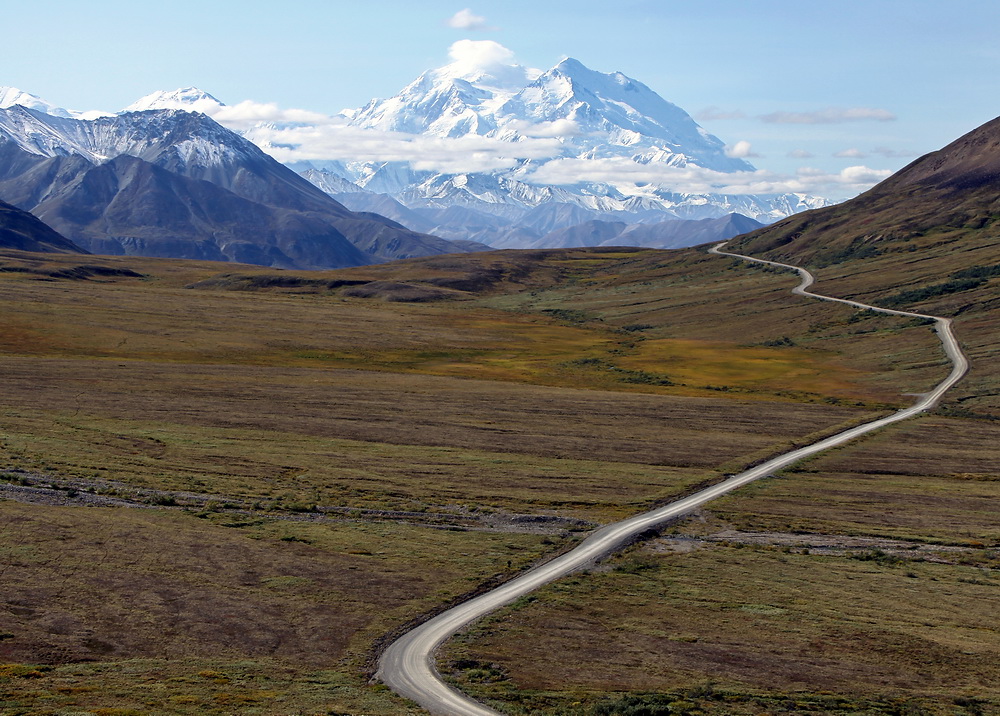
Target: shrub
[
  {"x": 940, "y": 289},
  {"x": 879, "y": 557}
]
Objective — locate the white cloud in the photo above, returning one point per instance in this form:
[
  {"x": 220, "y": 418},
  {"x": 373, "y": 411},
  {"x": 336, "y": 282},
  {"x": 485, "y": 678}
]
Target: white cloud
[
  {"x": 741, "y": 150},
  {"x": 555, "y": 128},
  {"x": 800, "y": 154},
  {"x": 335, "y": 140},
  {"x": 696, "y": 180},
  {"x": 468, "y": 20},
  {"x": 246, "y": 114},
  {"x": 715, "y": 114},
  {"x": 830, "y": 115},
  {"x": 863, "y": 175},
  {"x": 473, "y": 55},
  {"x": 298, "y": 135},
  {"x": 851, "y": 153}
]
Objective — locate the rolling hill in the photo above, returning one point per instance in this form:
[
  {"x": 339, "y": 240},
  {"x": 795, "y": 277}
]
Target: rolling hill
[
  {"x": 949, "y": 195},
  {"x": 926, "y": 239}
]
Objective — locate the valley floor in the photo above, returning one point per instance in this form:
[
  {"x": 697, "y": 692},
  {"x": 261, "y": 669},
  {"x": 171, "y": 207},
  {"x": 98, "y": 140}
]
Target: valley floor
[{"x": 326, "y": 468}]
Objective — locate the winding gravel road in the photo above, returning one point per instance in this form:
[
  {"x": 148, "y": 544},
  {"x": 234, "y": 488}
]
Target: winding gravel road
[{"x": 407, "y": 665}]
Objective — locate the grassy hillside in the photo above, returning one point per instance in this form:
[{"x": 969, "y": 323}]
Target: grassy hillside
[{"x": 926, "y": 239}]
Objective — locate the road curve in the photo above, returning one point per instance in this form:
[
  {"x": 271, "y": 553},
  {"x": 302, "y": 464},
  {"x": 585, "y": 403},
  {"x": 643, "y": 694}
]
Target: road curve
[{"x": 407, "y": 665}]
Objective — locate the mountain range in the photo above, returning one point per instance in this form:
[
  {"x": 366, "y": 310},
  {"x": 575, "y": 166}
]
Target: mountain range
[
  {"x": 583, "y": 114},
  {"x": 173, "y": 183},
  {"x": 162, "y": 178}
]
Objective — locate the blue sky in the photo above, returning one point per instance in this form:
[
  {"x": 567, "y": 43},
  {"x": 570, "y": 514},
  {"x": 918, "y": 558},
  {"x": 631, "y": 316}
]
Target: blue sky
[{"x": 818, "y": 84}]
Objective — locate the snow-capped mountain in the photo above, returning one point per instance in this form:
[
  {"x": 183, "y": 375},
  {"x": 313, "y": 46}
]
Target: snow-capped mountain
[
  {"x": 168, "y": 137},
  {"x": 617, "y": 116},
  {"x": 11, "y": 96},
  {"x": 191, "y": 99},
  {"x": 588, "y": 117},
  {"x": 175, "y": 183},
  {"x": 450, "y": 101},
  {"x": 594, "y": 114}
]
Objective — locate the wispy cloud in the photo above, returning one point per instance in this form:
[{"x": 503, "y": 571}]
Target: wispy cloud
[
  {"x": 715, "y": 114},
  {"x": 831, "y": 115},
  {"x": 468, "y": 20},
  {"x": 800, "y": 154},
  {"x": 893, "y": 153},
  {"x": 248, "y": 113},
  {"x": 696, "y": 180},
  {"x": 851, "y": 153},
  {"x": 332, "y": 138}
]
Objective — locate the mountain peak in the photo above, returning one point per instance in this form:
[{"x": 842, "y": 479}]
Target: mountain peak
[
  {"x": 13, "y": 97},
  {"x": 191, "y": 99},
  {"x": 484, "y": 92},
  {"x": 570, "y": 65},
  {"x": 574, "y": 69},
  {"x": 567, "y": 116},
  {"x": 152, "y": 135}
]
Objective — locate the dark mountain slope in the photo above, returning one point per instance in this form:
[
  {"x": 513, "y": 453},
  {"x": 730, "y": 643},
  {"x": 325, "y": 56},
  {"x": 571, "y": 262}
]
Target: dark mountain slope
[
  {"x": 956, "y": 189},
  {"x": 660, "y": 235},
  {"x": 129, "y": 206},
  {"x": 172, "y": 183},
  {"x": 587, "y": 233},
  {"x": 20, "y": 230},
  {"x": 686, "y": 232}
]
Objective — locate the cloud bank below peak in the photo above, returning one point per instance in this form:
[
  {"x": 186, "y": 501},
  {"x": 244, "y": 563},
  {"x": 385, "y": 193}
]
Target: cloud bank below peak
[{"x": 697, "y": 180}]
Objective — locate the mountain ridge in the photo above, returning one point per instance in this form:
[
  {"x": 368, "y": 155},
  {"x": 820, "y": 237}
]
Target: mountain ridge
[
  {"x": 176, "y": 183},
  {"x": 954, "y": 189},
  {"x": 25, "y": 232}
]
